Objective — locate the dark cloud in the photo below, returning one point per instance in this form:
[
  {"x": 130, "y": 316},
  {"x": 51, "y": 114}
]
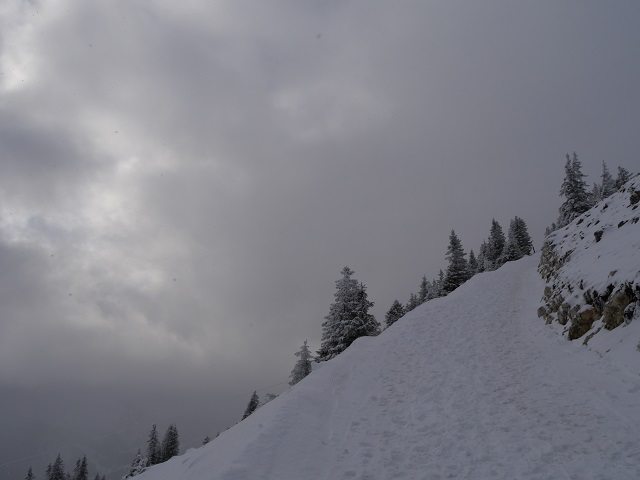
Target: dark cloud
[{"x": 181, "y": 184}]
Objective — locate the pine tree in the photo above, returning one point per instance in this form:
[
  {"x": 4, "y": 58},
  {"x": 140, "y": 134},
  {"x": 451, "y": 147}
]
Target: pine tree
[
  {"x": 521, "y": 234},
  {"x": 56, "y": 471},
  {"x": 97, "y": 477},
  {"x": 153, "y": 447},
  {"x": 457, "y": 270},
  {"x": 138, "y": 465},
  {"x": 81, "y": 471},
  {"x": 170, "y": 443},
  {"x": 348, "y": 317},
  {"x": 574, "y": 190},
  {"x": 623, "y": 177},
  {"x": 473, "y": 264},
  {"x": 482, "y": 258},
  {"x": 441, "y": 292},
  {"x": 395, "y": 312},
  {"x": 511, "y": 250},
  {"x": 206, "y": 440},
  {"x": 423, "y": 292},
  {"x": 495, "y": 246},
  {"x": 608, "y": 183},
  {"x": 30, "y": 475},
  {"x": 252, "y": 405},
  {"x": 302, "y": 368},
  {"x": 412, "y": 303},
  {"x": 434, "y": 291}
]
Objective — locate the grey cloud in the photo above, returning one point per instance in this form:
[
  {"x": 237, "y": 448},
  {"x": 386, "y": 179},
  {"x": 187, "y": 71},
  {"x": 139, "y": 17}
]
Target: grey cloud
[{"x": 259, "y": 149}]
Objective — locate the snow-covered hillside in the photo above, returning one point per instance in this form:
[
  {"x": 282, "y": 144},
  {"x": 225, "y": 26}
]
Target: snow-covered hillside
[
  {"x": 592, "y": 270},
  {"x": 470, "y": 386}
]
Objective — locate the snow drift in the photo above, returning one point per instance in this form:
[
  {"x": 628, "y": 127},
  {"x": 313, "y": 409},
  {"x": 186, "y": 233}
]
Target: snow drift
[{"x": 471, "y": 386}]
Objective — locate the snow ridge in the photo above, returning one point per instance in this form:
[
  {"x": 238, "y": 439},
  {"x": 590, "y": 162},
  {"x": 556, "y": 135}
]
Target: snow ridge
[{"x": 470, "y": 386}]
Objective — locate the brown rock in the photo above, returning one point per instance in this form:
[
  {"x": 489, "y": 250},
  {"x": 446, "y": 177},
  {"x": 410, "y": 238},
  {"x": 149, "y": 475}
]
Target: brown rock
[{"x": 613, "y": 315}]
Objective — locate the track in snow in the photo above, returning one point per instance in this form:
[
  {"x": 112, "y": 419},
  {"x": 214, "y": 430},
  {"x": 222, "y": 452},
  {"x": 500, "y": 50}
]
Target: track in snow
[{"x": 469, "y": 386}]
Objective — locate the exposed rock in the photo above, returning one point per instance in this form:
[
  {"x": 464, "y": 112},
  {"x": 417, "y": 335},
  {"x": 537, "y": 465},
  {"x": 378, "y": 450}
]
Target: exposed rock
[
  {"x": 613, "y": 315},
  {"x": 582, "y": 323},
  {"x": 635, "y": 197},
  {"x": 598, "y": 235}
]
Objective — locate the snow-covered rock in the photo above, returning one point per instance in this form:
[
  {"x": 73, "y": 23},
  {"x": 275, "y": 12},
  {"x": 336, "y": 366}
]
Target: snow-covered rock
[{"x": 592, "y": 268}]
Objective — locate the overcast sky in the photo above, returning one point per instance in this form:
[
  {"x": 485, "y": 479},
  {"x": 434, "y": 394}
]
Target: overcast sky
[{"x": 182, "y": 182}]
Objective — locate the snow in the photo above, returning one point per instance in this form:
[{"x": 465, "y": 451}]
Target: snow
[
  {"x": 469, "y": 386},
  {"x": 614, "y": 260}
]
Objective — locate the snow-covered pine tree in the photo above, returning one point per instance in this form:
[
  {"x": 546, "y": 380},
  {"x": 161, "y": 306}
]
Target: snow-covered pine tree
[
  {"x": 395, "y": 312},
  {"x": 254, "y": 401},
  {"x": 81, "y": 471},
  {"x": 56, "y": 471},
  {"x": 302, "y": 368},
  {"x": 457, "y": 270},
  {"x": 138, "y": 465},
  {"x": 511, "y": 250},
  {"x": 30, "y": 475},
  {"x": 523, "y": 239},
  {"x": 473, "y": 264},
  {"x": 495, "y": 245},
  {"x": 206, "y": 440},
  {"x": 482, "y": 258},
  {"x": 608, "y": 184},
  {"x": 574, "y": 190},
  {"x": 441, "y": 292},
  {"x": 423, "y": 292},
  {"x": 434, "y": 291},
  {"x": 412, "y": 303},
  {"x": 348, "y": 317},
  {"x": 153, "y": 447},
  {"x": 623, "y": 177},
  {"x": 170, "y": 443}
]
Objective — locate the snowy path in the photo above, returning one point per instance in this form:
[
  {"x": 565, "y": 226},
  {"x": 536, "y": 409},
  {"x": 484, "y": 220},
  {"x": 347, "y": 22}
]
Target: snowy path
[{"x": 470, "y": 386}]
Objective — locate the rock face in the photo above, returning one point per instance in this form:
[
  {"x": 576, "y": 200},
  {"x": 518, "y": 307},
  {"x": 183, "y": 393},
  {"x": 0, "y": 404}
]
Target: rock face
[{"x": 592, "y": 267}]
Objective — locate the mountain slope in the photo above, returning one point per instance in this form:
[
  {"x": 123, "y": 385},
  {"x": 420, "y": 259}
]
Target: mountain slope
[{"x": 472, "y": 385}]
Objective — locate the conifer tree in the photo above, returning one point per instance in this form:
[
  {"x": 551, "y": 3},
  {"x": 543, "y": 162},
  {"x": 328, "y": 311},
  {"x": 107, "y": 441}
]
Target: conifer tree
[
  {"x": 623, "y": 177},
  {"x": 457, "y": 270},
  {"x": 395, "y": 312},
  {"x": 97, "y": 477},
  {"x": 434, "y": 291},
  {"x": 412, "y": 303},
  {"x": 511, "y": 250},
  {"x": 56, "y": 471},
  {"x": 473, "y": 264},
  {"x": 348, "y": 317},
  {"x": 170, "y": 443},
  {"x": 608, "y": 184},
  {"x": 266, "y": 398},
  {"x": 153, "y": 447},
  {"x": 522, "y": 237},
  {"x": 482, "y": 258},
  {"x": 206, "y": 440},
  {"x": 254, "y": 401},
  {"x": 81, "y": 471},
  {"x": 302, "y": 368},
  {"x": 423, "y": 293},
  {"x": 138, "y": 465},
  {"x": 30, "y": 475},
  {"x": 495, "y": 245},
  {"x": 441, "y": 292},
  {"x": 574, "y": 190}
]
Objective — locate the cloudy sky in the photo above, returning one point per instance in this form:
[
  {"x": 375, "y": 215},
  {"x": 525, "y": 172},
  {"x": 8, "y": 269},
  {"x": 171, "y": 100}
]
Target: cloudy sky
[{"x": 182, "y": 182}]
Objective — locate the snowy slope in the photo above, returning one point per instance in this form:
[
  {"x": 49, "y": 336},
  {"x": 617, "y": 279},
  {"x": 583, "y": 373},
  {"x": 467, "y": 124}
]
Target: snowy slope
[
  {"x": 469, "y": 386},
  {"x": 592, "y": 269}
]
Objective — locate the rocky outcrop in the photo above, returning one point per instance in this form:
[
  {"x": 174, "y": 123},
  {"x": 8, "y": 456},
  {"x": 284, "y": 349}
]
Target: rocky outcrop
[{"x": 592, "y": 268}]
